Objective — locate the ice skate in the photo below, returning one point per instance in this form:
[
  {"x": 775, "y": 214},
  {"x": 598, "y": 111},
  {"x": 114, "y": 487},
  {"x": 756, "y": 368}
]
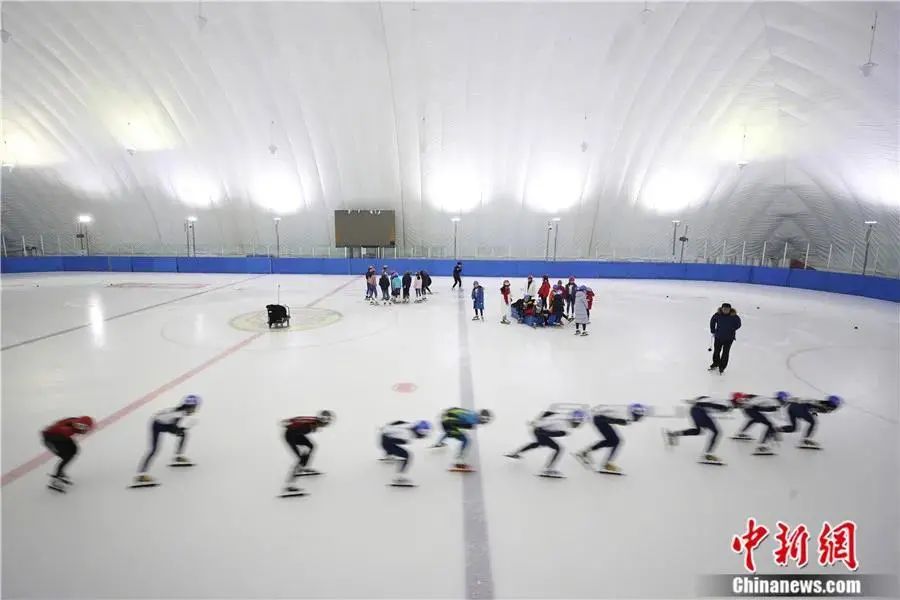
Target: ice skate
[
  {"x": 62, "y": 479},
  {"x": 401, "y": 481},
  {"x": 763, "y": 450},
  {"x": 809, "y": 444},
  {"x": 438, "y": 445},
  {"x": 552, "y": 473},
  {"x": 584, "y": 333},
  {"x": 461, "y": 468},
  {"x": 515, "y": 455},
  {"x": 389, "y": 458},
  {"x": 143, "y": 480},
  {"x": 475, "y": 318},
  {"x": 611, "y": 469},
  {"x": 181, "y": 461},
  {"x": 712, "y": 367},
  {"x": 711, "y": 459},
  {"x": 584, "y": 458},
  {"x": 305, "y": 472},
  {"x": 577, "y": 332},
  {"x": 670, "y": 437},
  {"x": 743, "y": 437},
  {"x": 504, "y": 321},
  {"x": 57, "y": 486},
  {"x": 291, "y": 491}
]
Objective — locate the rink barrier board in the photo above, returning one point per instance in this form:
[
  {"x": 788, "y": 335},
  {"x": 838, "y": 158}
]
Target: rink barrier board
[{"x": 880, "y": 288}]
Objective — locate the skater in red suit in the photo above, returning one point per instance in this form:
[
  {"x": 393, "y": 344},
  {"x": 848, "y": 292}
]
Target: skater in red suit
[
  {"x": 59, "y": 440},
  {"x": 296, "y": 432}
]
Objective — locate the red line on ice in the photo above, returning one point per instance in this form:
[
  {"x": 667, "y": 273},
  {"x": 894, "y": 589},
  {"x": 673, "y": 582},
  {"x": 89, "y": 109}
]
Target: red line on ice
[{"x": 40, "y": 459}]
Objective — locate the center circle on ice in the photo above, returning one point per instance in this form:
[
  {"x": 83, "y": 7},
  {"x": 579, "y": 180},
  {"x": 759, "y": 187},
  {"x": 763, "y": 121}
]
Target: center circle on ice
[
  {"x": 302, "y": 319},
  {"x": 404, "y": 387}
]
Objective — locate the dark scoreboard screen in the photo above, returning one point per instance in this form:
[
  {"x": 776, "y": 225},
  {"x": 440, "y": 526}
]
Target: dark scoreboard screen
[{"x": 365, "y": 228}]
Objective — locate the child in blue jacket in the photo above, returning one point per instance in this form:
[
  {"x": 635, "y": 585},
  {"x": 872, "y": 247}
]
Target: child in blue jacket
[{"x": 478, "y": 301}]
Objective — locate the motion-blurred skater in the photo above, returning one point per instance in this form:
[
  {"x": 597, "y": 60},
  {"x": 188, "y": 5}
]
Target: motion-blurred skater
[
  {"x": 558, "y": 421},
  {"x": 59, "y": 439},
  {"x": 455, "y": 422},
  {"x": 700, "y": 408},
  {"x": 176, "y": 421},
  {"x": 605, "y": 417},
  {"x": 757, "y": 410},
  {"x": 800, "y": 409},
  {"x": 457, "y": 276},
  {"x": 296, "y": 435},
  {"x": 504, "y": 302},
  {"x": 394, "y": 436}
]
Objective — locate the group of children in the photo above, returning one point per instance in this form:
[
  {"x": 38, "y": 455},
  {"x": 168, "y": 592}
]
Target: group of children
[
  {"x": 392, "y": 284},
  {"x": 548, "y": 305},
  {"x": 559, "y": 420}
]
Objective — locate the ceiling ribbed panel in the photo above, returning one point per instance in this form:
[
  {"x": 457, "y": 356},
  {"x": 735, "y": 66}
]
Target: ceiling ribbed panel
[{"x": 506, "y": 114}]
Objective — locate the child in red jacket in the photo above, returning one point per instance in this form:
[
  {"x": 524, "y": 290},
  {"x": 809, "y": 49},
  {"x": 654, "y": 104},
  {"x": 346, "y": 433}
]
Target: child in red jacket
[
  {"x": 504, "y": 293},
  {"x": 59, "y": 440},
  {"x": 544, "y": 291}
]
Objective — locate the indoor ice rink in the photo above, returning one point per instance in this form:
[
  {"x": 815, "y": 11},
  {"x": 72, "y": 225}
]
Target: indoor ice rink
[{"x": 192, "y": 193}]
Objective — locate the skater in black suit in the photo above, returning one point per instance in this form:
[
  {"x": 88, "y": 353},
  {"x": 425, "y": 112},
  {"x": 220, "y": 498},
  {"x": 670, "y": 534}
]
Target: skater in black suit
[
  {"x": 723, "y": 326},
  {"x": 800, "y": 409},
  {"x": 701, "y": 405},
  {"x": 457, "y": 276}
]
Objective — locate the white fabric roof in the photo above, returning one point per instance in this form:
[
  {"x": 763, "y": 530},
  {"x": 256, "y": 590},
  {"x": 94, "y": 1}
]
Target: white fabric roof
[{"x": 507, "y": 113}]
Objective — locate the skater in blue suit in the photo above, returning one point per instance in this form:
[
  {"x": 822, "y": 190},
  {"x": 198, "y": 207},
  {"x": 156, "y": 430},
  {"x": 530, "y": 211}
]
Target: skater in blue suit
[{"x": 478, "y": 301}]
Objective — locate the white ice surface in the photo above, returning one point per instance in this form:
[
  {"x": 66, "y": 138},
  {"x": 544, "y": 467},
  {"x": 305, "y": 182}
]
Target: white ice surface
[{"x": 217, "y": 530}]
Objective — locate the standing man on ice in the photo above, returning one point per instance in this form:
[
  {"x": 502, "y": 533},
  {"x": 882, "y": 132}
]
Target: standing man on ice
[
  {"x": 457, "y": 276},
  {"x": 723, "y": 326}
]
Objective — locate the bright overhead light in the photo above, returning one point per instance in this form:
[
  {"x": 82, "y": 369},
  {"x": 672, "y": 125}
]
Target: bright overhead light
[
  {"x": 670, "y": 190},
  {"x": 742, "y": 163},
  {"x": 276, "y": 219},
  {"x": 675, "y": 222},
  {"x": 556, "y": 219},
  {"x": 453, "y": 189},
  {"x": 85, "y": 218},
  {"x": 551, "y": 190},
  {"x": 456, "y": 219},
  {"x": 192, "y": 219},
  {"x": 871, "y": 222},
  {"x": 277, "y": 190}
]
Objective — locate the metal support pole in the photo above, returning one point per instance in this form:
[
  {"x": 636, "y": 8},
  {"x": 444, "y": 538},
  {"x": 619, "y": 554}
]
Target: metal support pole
[
  {"x": 58, "y": 245},
  {"x": 674, "y": 234},
  {"x": 42, "y": 245},
  {"x": 875, "y": 266},
  {"x": 868, "y": 241},
  {"x": 277, "y": 240},
  {"x": 555, "y": 238},
  {"x": 684, "y": 239},
  {"x": 828, "y": 264},
  {"x": 784, "y": 258},
  {"x": 194, "y": 239},
  {"x": 852, "y": 258},
  {"x": 87, "y": 241},
  {"x": 762, "y": 259},
  {"x": 547, "y": 246},
  {"x": 705, "y": 248},
  {"x": 24, "y": 247},
  {"x": 455, "y": 238},
  {"x": 743, "y": 250},
  {"x": 806, "y": 260},
  {"x": 4, "y": 246},
  {"x": 724, "y": 250},
  {"x": 187, "y": 238}
]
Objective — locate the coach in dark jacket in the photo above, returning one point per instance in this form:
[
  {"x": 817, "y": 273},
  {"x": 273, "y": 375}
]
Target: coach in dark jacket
[{"x": 723, "y": 325}]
